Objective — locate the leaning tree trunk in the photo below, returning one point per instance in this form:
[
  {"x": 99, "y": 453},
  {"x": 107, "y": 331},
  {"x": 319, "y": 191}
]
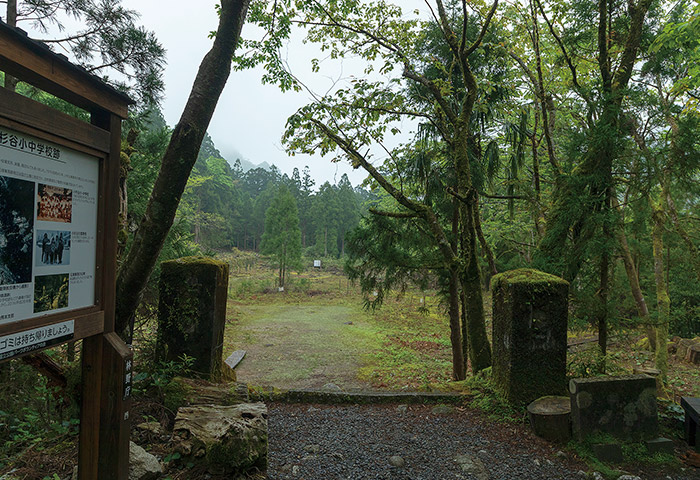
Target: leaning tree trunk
[{"x": 178, "y": 160}]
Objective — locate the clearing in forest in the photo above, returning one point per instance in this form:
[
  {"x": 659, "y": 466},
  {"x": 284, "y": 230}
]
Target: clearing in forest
[{"x": 307, "y": 339}]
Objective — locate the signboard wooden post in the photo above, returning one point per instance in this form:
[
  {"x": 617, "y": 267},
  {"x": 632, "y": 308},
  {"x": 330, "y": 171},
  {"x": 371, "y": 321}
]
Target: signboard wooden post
[{"x": 59, "y": 205}]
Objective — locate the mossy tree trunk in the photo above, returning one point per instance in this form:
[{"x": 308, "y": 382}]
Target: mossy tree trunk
[
  {"x": 178, "y": 160},
  {"x": 662, "y": 298},
  {"x": 633, "y": 279}
]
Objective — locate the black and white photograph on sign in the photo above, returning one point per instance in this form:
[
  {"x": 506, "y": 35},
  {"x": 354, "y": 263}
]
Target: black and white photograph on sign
[
  {"x": 16, "y": 230},
  {"x": 54, "y": 204},
  {"x": 50, "y": 292},
  {"x": 52, "y": 248}
]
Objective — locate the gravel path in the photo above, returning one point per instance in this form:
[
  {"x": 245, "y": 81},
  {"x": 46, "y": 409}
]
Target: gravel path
[{"x": 358, "y": 442}]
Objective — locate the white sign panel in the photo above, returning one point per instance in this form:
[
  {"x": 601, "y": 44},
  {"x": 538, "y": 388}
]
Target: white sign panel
[
  {"x": 48, "y": 227},
  {"x": 35, "y": 339}
]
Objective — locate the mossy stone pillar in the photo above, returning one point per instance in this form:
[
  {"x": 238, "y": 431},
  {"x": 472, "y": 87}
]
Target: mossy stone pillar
[
  {"x": 192, "y": 312},
  {"x": 530, "y": 317}
]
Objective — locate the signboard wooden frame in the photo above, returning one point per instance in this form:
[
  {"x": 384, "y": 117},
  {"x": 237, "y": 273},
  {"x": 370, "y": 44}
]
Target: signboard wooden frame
[{"x": 106, "y": 359}]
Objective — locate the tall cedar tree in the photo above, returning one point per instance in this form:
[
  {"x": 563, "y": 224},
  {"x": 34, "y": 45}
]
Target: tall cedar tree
[{"x": 282, "y": 236}]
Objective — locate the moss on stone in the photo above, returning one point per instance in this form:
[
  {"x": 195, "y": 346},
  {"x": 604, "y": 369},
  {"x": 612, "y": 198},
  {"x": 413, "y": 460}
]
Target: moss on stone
[
  {"x": 526, "y": 275},
  {"x": 171, "y": 266}
]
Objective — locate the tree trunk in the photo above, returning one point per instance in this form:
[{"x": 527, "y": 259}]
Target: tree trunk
[
  {"x": 178, "y": 160},
  {"x": 10, "y": 81},
  {"x": 479, "y": 347},
  {"x": 458, "y": 372},
  {"x": 604, "y": 282},
  {"x": 633, "y": 279},
  {"x": 662, "y": 298},
  {"x": 465, "y": 332}
]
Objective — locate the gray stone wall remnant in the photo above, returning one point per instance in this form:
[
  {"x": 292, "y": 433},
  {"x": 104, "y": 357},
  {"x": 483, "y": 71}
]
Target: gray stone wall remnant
[
  {"x": 624, "y": 407},
  {"x": 530, "y": 318},
  {"x": 192, "y": 313}
]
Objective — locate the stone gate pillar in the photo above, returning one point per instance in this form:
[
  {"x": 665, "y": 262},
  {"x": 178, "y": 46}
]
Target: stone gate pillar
[
  {"x": 192, "y": 312},
  {"x": 530, "y": 317}
]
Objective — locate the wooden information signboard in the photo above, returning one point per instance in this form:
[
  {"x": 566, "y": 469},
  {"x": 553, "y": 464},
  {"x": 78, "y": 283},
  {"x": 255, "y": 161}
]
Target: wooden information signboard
[{"x": 59, "y": 203}]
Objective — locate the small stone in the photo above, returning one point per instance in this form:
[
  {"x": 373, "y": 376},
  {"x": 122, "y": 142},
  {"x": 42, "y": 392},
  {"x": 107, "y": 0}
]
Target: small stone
[
  {"x": 581, "y": 473},
  {"x": 536, "y": 462},
  {"x": 337, "y": 456},
  {"x": 286, "y": 468},
  {"x": 483, "y": 452},
  {"x": 295, "y": 470},
  {"x": 313, "y": 449},
  {"x": 442, "y": 410},
  {"x": 549, "y": 462},
  {"x": 313, "y": 409},
  {"x": 143, "y": 465},
  {"x": 472, "y": 466},
  {"x": 348, "y": 323},
  {"x": 331, "y": 387},
  {"x": 396, "y": 461},
  {"x": 629, "y": 477},
  {"x": 309, "y": 457},
  {"x": 561, "y": 455},
  {"x": 402, "y": 408},
  {"x": 598, "y": 476}
]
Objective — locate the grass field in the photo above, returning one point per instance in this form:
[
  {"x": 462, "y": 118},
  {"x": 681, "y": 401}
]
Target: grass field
[{"x": 318, "y": 332}]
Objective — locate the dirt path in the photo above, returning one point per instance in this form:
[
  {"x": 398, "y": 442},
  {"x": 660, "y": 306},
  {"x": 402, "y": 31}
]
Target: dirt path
[{"x": 299, "y": 346}]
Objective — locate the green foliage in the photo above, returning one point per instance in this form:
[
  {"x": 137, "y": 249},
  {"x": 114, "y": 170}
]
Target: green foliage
[
  {"x": 633, "y": 453},
  {"x": 590, "y": 363},
  {"x": 108, "y": 41},
  {"x": 487, "y": 399},
  {"x": 32, "y": 412},
  {"x": 156, "y": 379}
]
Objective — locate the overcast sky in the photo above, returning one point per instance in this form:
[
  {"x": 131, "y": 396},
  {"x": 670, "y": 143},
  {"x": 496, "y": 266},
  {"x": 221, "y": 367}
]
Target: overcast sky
[{"x": 249, "y": 117}]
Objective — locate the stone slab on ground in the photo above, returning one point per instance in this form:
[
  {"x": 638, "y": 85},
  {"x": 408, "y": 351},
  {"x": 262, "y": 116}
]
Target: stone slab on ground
[
  {"x": 235, "y": 358},
  {"x": 660, "y": 445},
  {"x": 691, "y": 406},
  {"x": 624, "y": 407}
]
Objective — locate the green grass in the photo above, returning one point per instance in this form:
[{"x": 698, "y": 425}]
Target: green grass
[{"x": 397, "y": 346}]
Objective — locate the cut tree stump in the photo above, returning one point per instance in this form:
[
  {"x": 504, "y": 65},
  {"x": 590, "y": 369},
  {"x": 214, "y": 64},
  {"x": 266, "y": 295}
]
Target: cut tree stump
[{"x": 550, "y": 418}]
